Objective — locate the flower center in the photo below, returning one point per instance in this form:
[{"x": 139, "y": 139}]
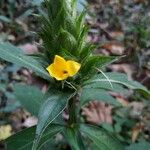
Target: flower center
[{"x": 65, "y": 72}]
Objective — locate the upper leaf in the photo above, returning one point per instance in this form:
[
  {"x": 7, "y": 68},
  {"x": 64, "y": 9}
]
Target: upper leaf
[
  {"x": 90, "y": 65},
  {"x": 15, "y": 55},
  {"x": 117, "y": 78}
]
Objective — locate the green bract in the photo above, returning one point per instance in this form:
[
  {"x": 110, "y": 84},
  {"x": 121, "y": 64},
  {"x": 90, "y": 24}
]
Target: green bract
[{"x": 63, "y": 33}]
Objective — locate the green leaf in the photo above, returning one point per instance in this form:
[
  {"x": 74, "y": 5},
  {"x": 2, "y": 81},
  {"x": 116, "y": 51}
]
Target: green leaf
[
  {"x": 82, "y": 37},
  {"x": 118, "y": 78},
  {"x": 5, "y": 19},
  {"x": 143, "y": 145},
  {"x": 89, "y": 66},
  {"x": 101, "y": 138},
  {"x": 3, "y": 87},
  {"x": 80, "y": 21},
  {"x": 98, "y": 95},
  {"x": 37, "y": 2},
  {"x": 73, "y": 137},
  {"x": 54, "y": 8},
  {"x": 15, "y": 55},
  {"x": 86, "y": 51},
  {"x": 55, "y": 103},
  {"x": 107, "y": 127},
  {"x": 23, "y": 140},
  {"x": 29, "y": 96},
  {"x": 67, "y": 41},
  {"x": 106, "y": 85}
]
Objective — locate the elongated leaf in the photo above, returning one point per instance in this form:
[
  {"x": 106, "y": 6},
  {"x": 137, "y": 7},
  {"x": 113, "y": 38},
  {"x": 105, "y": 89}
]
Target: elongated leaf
[
  {"x": 73, "y": 137},
  {"x": 143, "y": 145},
  {"x": 29, "y": 96},
  {"x": 96, "y": 94},
  {"x": 23, "y": 140},
  {"x": 68, "y": 41},
  {"x": 80, "y": 21},
  {"x": 118, "y": 78},
  {"x": 86, "y": 51},
  {"x": 53, "y": 106},
  {"x": 5, "y": 19},
  {"x": 106, "y": 86},
  {"x": 13, "y": 54},
  {"x": 101, "y": 138},
  {"x": 89, "y": 67}
]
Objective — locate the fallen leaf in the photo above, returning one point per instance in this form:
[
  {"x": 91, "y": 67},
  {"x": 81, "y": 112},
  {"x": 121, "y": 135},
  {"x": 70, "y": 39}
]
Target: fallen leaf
[
  {"x": 125, "y": 68},
  {"x": 116, "y": 34},
  {"x": 121, "y": 99},
  {"x": 29, "y": 48},
  {"x": 30, "y": 121},
  {"x": 114, "y": 48},
  {"x": 136, "y": 109},
  {"x": 11, "y": 37},
  {"x": 136, "y": 131},
  {"x": 5, "y": 132},
  {"x": 97, "y": 113},
  {"x": 139, "y": 1}
]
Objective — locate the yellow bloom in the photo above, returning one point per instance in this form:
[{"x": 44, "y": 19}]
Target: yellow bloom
[
  {"x": 62, "y": 69},
  {"x": 5, "y": 132}
]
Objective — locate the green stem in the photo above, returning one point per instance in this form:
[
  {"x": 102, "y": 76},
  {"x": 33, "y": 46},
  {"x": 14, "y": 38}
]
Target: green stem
[{"x": 72, "y": 112}]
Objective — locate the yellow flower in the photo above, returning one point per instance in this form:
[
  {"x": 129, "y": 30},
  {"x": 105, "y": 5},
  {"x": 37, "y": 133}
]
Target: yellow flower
[
  {"x": 62, "y": 69},
  {"x": 5, "y": 132}
]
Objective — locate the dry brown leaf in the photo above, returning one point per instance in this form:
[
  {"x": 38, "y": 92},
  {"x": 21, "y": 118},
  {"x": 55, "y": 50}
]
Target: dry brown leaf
[
  {"x": 93, "y": 1},
  {"x": 23, "y": 25},
  {"x": 1, "y": 26},
  {"x": 139, "y": 1},
  {"x": 114, "y": 48},
  {"x": 17, "y": 118},
  {"x": 29, "y": 48},
  {"x": 120, "y": 98},
  {"x": 30, "y": 121},
  {"x": 116, "y": 34},
  {"x": 103, "y": 25},
  {"x": 97, "y": 113},
  {"x": 136, "y": 131},
  {"x": 125, "y": 68},
  {"x": 136, "y": 109},
  {"x": 11, "y": 37},
  {"x": 92, "y": 38}
]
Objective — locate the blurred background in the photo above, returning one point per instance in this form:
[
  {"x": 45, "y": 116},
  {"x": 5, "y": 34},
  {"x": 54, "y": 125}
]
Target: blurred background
[{"x": 116, "y": 27}]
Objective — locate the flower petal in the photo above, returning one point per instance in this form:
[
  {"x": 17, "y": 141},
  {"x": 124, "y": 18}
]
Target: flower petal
[
  {"x": 56, "y": 73},
  {"x": 73, "y": 67},
  {"x": 59, "y": 61},
  {"x": 51, "y": 69}
]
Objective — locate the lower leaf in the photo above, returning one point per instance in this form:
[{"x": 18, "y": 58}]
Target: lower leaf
[
  {"x": 52, "y": 107},
  {"x": 29, "y": 96},
  {"x": 73, "y": 137},
  {"x": 101, "y": 138},
  {"x": 23, "y": 140}
]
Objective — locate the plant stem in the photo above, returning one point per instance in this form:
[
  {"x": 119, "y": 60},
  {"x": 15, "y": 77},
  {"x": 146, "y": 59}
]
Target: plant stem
[{"x": 72, "y": 112}]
